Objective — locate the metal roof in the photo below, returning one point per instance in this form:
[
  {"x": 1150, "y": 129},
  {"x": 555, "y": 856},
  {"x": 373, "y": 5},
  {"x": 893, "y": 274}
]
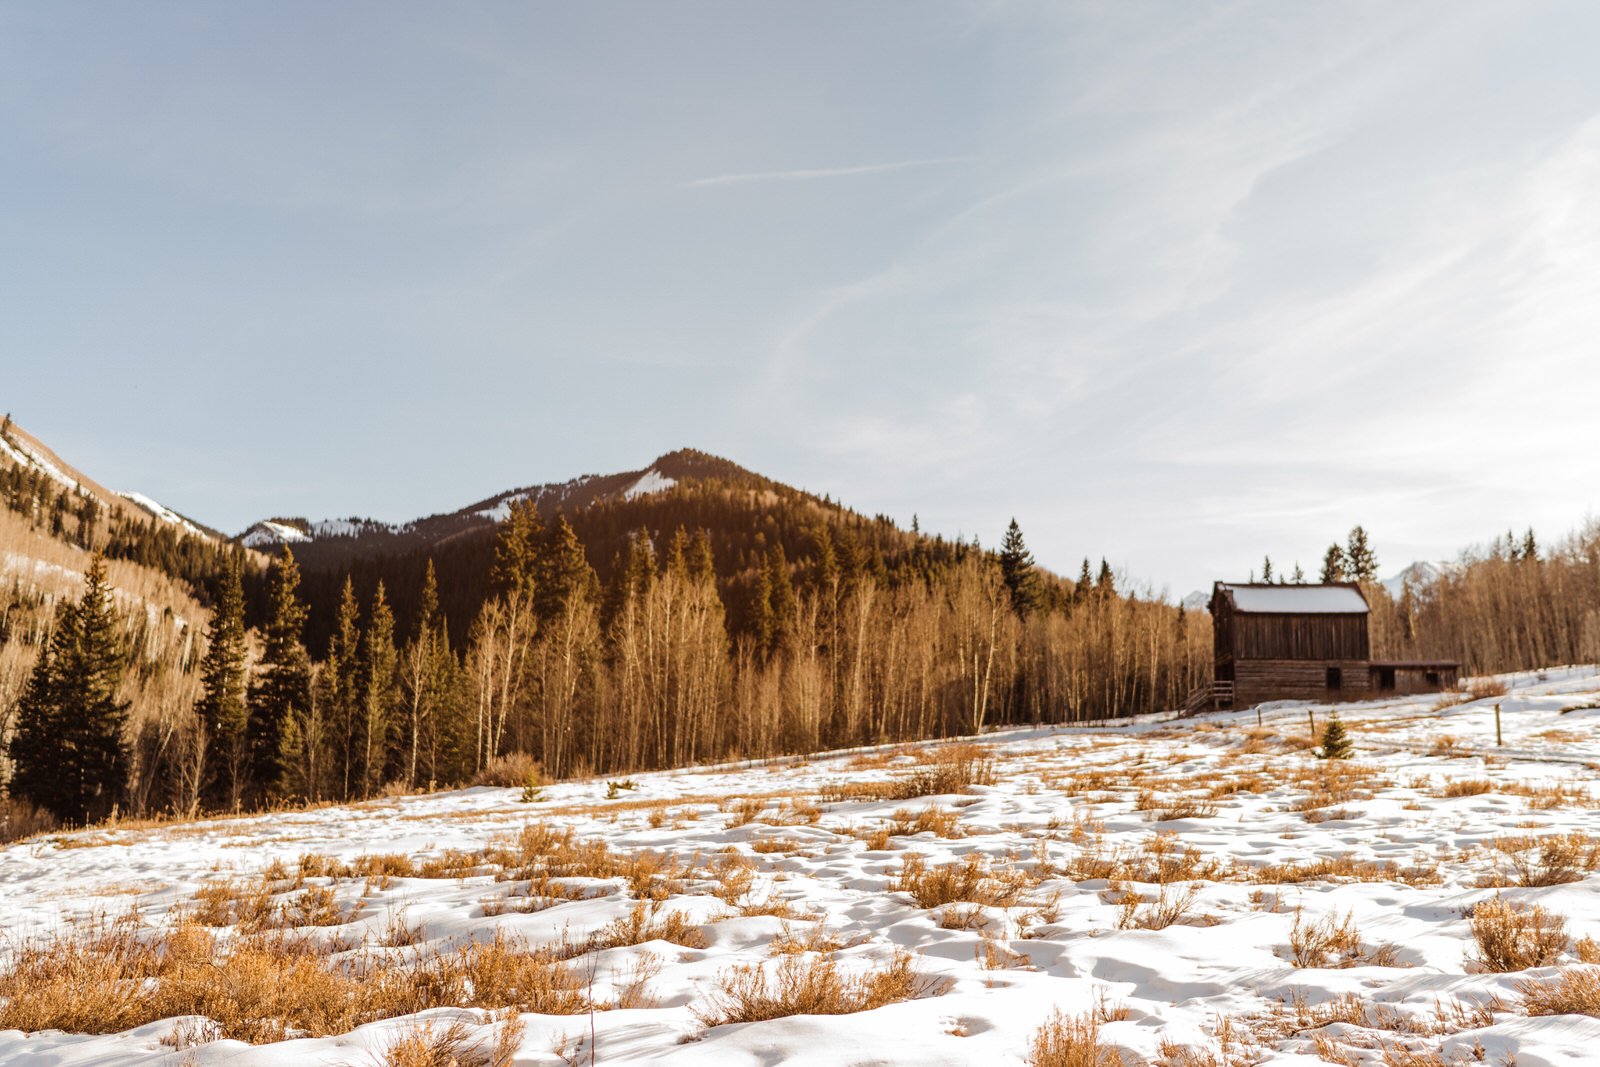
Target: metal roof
[{"x": 1296, "y": 599}]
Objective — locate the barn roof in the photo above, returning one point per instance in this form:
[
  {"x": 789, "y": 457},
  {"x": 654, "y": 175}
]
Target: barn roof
[{"x": 1296, "y": 599}]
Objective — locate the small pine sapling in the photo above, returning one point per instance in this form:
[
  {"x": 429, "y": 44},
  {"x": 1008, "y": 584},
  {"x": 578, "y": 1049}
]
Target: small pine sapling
[
  {"x": 532, "y": 788},
  {"x": 1336, "y": 743}
]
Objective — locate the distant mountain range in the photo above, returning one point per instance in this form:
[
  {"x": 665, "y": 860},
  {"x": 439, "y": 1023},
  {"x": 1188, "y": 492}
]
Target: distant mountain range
[{"x": 326, "y": 542}]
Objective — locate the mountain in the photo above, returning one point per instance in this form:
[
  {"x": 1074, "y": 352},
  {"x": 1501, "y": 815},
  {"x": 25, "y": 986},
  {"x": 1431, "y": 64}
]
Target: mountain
[
  {"x": 22, "y": 450},
  {"x": 1420, "y": 575},
  {"x": 330, "y": 543}
]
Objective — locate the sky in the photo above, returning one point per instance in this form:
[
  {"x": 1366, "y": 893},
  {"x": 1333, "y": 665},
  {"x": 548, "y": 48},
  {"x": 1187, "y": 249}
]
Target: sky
[{"x": 1176, "y": 284}]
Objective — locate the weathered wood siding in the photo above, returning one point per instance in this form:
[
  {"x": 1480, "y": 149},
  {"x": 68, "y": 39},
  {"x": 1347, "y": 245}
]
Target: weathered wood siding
[
  {"x": 1318, "y": 637},
  {"x": 1260, "y": 680},
  {"x": 1415, "y": 679}
]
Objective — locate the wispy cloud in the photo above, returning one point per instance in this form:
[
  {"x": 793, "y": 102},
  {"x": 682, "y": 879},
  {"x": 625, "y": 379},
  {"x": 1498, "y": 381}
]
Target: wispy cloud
[{"x": 820, "y": 172}]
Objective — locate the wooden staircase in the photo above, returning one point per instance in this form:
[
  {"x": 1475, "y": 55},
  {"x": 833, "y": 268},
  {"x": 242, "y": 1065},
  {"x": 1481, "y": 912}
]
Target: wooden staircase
[{"x": 1211, "y": 696}]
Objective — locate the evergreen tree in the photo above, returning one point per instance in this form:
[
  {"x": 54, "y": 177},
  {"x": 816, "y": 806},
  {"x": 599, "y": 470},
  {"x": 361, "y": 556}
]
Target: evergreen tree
[
  {"x": 67, "y": 750},
  {"x": 562, "y": 571},
  {"x": 428, "y": 688},
  {"x": 1333, "y": 565},
  {"x": 517, "y": 550},
  {"x": 1105, "y": 586},
  {"x": 222, "y": 707},
  {"x": 379, "y": 661},
  {"x": 1530, "y": 547},
  {"x": 1299, "y": 576},
  {"x": 1085, "y": 584},
  {"x": 1336, "y": 743},
  {"x": 1016, "y": 568},
  {"x": 1360, "y": 561},
  {"x": 780, "y": 594},
  {"x": 281, "y": 693},
  {"x": 1266, "y": 568},
  {"x": 341, "y": 689}
]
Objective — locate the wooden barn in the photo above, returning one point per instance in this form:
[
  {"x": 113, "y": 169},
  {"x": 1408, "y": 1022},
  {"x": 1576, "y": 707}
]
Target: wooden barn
[{"x": 1302, "y": 642}]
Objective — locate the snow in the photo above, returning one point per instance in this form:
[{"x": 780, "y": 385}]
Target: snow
[
  {"x": 1420, "y": 575},
  {"x": 28, "y": 456},
  {"x": 273, "y": 533},
  {"x": 1298, "y": 599},
  {"x": 652, "y": 482},
  {"x": 1060, "y": 795},
  {"x": 162, "y": 512}
]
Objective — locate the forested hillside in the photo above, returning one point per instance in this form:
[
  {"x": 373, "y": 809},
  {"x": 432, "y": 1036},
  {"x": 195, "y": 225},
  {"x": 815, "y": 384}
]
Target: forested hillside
[{"x": 637, "y": 621}]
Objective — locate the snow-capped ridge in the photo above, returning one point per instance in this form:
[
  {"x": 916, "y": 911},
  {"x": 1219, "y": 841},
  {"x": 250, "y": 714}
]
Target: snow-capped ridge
[
  {"x": 653, "y": 481},
  {"x": 1419, "y": 575},
  {"x": 16, "y": 446}
]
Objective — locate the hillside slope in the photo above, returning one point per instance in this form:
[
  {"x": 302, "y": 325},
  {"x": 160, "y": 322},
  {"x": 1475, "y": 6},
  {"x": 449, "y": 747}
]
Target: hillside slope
[{"x": 329, "y": 543}]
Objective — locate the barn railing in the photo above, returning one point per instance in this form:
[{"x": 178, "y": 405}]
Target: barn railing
[{"x": 1208, "y": 697}]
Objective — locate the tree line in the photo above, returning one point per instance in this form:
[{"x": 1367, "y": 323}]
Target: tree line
[{"x": 581, "y": 675}]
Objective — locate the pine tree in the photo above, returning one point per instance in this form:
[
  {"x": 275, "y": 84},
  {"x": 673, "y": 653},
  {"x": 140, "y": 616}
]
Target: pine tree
[
  {"x": 1105, "y": 586},
  {"x": 1336, "y": 743},
  {"x": 780, "y": 596},
  {"x": 1266, "y": 568},
  {"x": 1333, "y": 565},
  {"x": 377, "y": 692},
  {"x": 341, "y": 689},
  {"x": 427, "y": 680},
  {"x": 1360, "y": 561},
  {"x": 562, "y": 571},
  {"x": 1085, "y": 583},
  {"x": 1016, "y": 568},
  {"x": 222, "y": 707},
  {"x": 281, "y": 693},
  {"x": 1530, "y": 547},
  {"x": 67, "y": 751},
  {"x": 516, "y": 550}
]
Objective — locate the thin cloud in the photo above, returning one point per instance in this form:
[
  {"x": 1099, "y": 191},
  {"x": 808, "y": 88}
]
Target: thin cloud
[{"x": 823, "y": 172}]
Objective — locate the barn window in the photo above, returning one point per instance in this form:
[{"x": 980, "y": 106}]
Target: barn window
[
  {"x": 1433, "y": 678},
  {"x": 1335, "y": 678}
]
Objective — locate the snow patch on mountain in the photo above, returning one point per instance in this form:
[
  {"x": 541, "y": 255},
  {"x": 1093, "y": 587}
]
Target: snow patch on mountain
[
  {"x": 161, "y": 511},
  {"x": 652, "y": 482},
  {"x": 23, "y": 453},
  {"x": 267, "y": 532},
  {"x": 1420, "y": 575}
]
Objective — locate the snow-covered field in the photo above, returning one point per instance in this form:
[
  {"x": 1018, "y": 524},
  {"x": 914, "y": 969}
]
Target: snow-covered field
[{"x": 1155, "y": 876}]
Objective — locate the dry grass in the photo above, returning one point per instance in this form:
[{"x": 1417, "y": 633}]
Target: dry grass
[
  {"x": 110, "y": 976},
  {"x": 1572, "y": 992},
  {"x": 1543, "y": 861},
  {"x": 432, "y": 1044},
  {"x": 514, "y": 770},
  {"x": 1513, "y": 936},
  {"x": 972, "y": 881},
  {"x": 20, "y": 819},
  {"x": 1466, "y": 787},
  {"x": 950, "y": 769},
  {"x": 808, "y": 984},
  {"x": 1070, "y": 1041},
  {"x": 1333, "y": 942},
  {"x": 1169, "y": 907},
  {"x": 1477, "y": 689},
  {"x": 940, "y": 822},
  {"x": 1346, "y": 867},
  {"x": 1164, "y": 808}
]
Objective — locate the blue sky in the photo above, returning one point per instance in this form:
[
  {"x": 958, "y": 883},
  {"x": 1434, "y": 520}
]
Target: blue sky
[{"x": 1180, "y": 284}]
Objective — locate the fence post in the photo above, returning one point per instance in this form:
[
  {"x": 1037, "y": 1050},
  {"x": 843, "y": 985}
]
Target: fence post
[
  {"x": 1312, "y": 716},
  {"x": 1258, "y": 714},
  {"x": 1498, "y": 739}
]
